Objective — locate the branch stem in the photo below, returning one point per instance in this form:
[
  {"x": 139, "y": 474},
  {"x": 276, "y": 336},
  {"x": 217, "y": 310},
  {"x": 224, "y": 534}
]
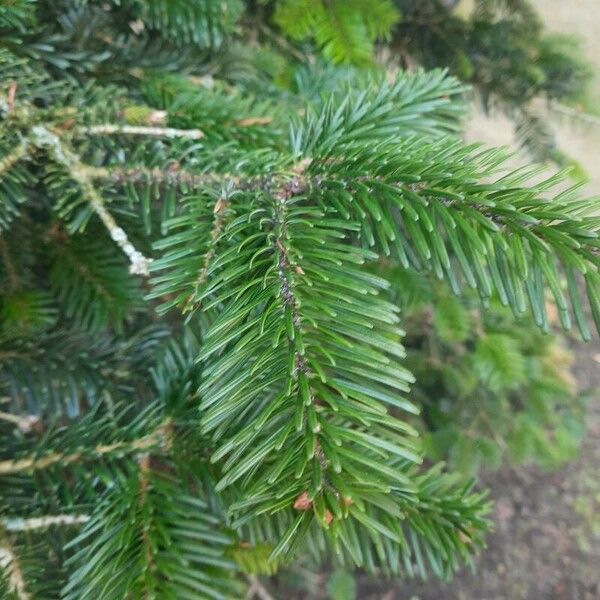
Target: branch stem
[
  {"x": 10, "y": 564},
  {"x": 44, "y": 138},
  {"x": 156, "y": 438},
  {"x": 143, "y": 130},
  {"x": 16, "y": 524}
]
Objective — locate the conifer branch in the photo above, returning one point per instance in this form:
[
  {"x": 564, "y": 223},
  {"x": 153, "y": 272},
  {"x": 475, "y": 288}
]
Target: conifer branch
[
  {"x": 158, "y": 438},
  {"x": 44, "y": 138},
  {"x": 11, "y": 159},
  {"x": 219, "y": 212},
  {"x": 290, "y": 385}
]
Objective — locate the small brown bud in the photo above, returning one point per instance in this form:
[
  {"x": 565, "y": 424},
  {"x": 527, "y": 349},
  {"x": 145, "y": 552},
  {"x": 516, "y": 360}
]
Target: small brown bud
[
  {"x": 158, "y": 117},
  {"x": 302, "y": 502},
  {"x": 219, "y": 205},
  {"x": 12, "y": 94},
  {"x": 327, "y": 517},
  {"x": 464, "y": 539}
]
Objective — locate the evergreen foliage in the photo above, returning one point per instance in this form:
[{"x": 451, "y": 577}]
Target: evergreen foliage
[
  {"x": 489, "y": 387},
  {"x": 498, "y": 46},
  {"x": 203, "y": 374},
  {"x": 501, "y": 48}
]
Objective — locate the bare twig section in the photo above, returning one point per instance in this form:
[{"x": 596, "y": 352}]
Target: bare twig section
[
  {"x": 219, "y": 211},
  {"x": 11, "y": 159},
  {"x": 17, "y": 524},
  {"x": 10, "y": 564},
  {"x": 257, "y": 589},
  {"x": 144, "y": 130},
  {"x": 158, "y": 438},
  {"x": 252, "y": 121},
  {"x": 44, "y": 138}
]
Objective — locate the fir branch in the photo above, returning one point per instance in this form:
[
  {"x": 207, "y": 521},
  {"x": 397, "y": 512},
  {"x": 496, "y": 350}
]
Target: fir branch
[
  {"x": 219, "y": 212},
  {"x": 10, "y": 160},
  {"x": 159, "y": 438},
  {"x": 44, "y": 138}
]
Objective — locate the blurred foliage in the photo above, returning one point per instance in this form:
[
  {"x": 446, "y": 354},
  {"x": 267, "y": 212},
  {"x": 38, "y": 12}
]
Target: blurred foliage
[
  {"x": 500, "y": 47},
  {"x": 490, "y": 388}
]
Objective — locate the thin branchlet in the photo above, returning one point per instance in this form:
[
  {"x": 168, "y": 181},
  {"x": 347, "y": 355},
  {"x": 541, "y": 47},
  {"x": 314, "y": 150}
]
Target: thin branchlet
[
  {"x": 296, "y": 186},
  {"x": 143, "y": 475},
  {"x": 159, "y": 438},
  {"x": 17, "y": 524},
  {"x": 143, "y": 130},
  {"x": 219, "y": 220},
  {"x": 61, "y": 153},
  {"x": 9, "y": 563}
]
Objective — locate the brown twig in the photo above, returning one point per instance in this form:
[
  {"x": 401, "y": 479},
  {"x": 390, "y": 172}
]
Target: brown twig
[{"x": 61, "y": 153}]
